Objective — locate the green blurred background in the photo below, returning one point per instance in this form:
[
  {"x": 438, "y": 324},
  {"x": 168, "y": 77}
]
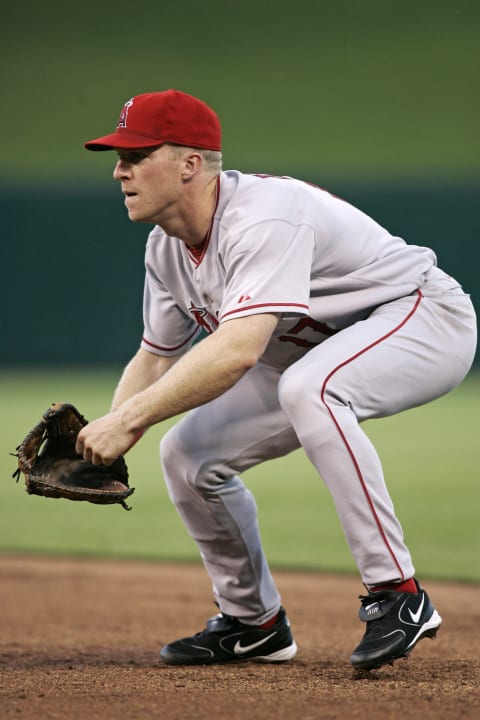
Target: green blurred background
[
  {"x": 371, "y": 89},
  {"x": 377, "y": 101}
]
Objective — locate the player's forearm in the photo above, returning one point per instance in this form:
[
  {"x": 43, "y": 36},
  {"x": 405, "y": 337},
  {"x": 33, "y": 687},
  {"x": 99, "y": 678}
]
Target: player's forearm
[
  {"x": 204, "y": 373},
  {"x": 184, "y": 387},
  {"x": 210, "y": 368},
  {"x": 142, "y": 371}
]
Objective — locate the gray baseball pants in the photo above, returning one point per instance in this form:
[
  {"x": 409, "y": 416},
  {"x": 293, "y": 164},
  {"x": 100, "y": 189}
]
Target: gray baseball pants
[{"x": 406, "y": 353}]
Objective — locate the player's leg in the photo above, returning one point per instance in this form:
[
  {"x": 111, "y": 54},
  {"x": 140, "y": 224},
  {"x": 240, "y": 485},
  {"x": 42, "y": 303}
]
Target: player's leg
[
  {"x": 406, "y": 353},
  {"x": 201, "y": 458}
]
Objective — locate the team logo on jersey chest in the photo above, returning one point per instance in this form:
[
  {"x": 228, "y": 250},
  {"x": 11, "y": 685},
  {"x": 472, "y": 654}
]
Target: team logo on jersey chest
[{"x": 203, "y": 317}]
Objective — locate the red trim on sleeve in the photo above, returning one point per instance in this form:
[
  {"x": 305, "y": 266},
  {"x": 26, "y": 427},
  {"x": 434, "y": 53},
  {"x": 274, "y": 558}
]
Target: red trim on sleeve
[
  {"x": 263, "y": 305},
  {"x": 171, "y": 349}
]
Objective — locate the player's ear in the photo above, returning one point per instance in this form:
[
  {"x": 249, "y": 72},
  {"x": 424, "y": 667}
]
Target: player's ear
[{"x": 191, "y": 164}]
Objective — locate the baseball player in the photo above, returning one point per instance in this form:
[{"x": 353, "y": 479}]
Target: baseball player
[{"x": 316, "y": 319}]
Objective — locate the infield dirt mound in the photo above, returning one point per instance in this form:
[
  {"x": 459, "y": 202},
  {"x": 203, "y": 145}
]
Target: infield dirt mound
[{"x": 79, "y": 639}]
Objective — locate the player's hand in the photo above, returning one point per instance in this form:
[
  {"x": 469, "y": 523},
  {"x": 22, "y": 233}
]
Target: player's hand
[{"x": 102, "y": 441}]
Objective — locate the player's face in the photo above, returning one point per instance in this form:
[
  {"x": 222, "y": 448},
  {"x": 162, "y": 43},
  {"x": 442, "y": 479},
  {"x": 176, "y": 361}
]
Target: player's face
[{"x": 151, "y": 182}]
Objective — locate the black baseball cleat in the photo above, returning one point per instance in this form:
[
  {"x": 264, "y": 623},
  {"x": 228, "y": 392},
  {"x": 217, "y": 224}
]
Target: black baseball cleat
[
  {"x": 396, "y": 621},
  {"x": 226, "y": 639}
]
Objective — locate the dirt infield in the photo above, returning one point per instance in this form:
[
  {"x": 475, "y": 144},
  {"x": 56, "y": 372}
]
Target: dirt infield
[{"x": 80, "y": 639}]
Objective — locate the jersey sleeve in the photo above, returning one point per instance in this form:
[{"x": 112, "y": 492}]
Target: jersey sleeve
[
  {"x": 167, "y": 329},
  {"x": 268, "y": 270}
]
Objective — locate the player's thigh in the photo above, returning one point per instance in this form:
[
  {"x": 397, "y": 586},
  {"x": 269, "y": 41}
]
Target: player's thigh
[
  {"x": 407, "y": 353},
  {"x": 237, "y": 430}
]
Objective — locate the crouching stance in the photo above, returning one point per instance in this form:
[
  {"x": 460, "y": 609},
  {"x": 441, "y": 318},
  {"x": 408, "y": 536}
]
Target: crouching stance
[{"x": 315, "y": 319}]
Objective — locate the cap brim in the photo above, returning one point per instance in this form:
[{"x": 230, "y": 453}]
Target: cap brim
[{"x": 122, "y": 140}]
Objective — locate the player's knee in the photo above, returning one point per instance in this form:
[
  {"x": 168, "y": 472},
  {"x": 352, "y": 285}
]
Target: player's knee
[
  {"x": 167, "y": 451},
  {"x": 174, "y": 464},
  {"x": 184, "y": 469},
  {"x": 287, "y": 390},
  {"x": 305, "y": 398},
  {"x": 295, "y": 391}
]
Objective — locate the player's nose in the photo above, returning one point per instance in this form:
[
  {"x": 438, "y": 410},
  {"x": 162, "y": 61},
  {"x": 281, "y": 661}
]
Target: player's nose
[{"x": 121, "y": 170}]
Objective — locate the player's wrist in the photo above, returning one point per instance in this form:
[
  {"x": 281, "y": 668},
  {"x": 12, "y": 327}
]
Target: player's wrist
[{"x": 130, "y": 420}]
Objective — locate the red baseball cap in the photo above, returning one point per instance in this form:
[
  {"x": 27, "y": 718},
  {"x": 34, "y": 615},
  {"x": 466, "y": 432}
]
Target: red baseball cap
[{"x": 155, "y": 118}]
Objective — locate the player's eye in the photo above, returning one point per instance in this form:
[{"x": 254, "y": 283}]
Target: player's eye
[
  {"x": 137, "y": 157},
  {"x": 133, "y": 157}
]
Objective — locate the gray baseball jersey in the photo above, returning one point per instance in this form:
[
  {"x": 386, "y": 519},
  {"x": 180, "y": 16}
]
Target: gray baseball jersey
[
  {"x": 276, "y": 245},
  {"x": 369, "y": 326}
]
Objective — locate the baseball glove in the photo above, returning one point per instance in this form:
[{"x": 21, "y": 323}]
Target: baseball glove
[{"x": 53, "y": 468}]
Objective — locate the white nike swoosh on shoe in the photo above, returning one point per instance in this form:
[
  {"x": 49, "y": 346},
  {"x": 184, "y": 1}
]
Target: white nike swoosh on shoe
[
  {"x": 416, "y": 616},
  {"x": 241, "y": 649}
]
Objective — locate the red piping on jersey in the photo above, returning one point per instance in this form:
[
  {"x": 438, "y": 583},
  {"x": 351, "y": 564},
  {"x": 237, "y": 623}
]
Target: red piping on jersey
[
  {"x": 342, "y": 435},
  {"x": 171, "y": 349},
  {"x": 198, "y": 253},
  {"x": 260, "y": 305}
]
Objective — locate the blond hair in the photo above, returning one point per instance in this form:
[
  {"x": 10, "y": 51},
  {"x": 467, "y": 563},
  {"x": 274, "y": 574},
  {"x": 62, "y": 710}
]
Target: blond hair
[{"x": 212, "y": 158}]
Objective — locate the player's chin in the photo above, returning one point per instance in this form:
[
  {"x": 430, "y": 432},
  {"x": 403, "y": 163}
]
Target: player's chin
[
  {"x": 135, "y": 215},
  {"x": 133, "y": 206}
]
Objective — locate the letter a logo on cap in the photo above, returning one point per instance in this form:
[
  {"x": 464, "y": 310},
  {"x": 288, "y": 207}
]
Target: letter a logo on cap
[{"x": 122, "y": 122}]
